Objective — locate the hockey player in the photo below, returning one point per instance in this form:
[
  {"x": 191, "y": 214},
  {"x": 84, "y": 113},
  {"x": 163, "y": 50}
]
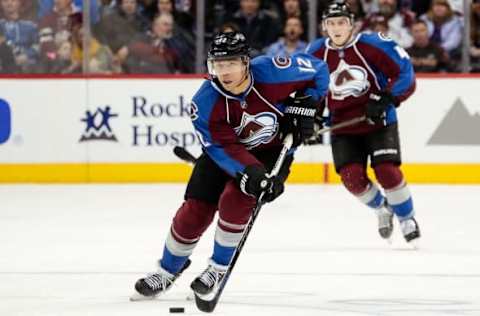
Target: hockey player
[
  {"x": 239, "y": 115},
  {"x": 369, "y": 75}
]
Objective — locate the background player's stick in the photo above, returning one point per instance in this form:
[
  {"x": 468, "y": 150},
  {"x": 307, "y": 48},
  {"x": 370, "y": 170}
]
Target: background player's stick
[
  {"x": 315, "y": 139},
  {"x": 184, "y": 154},
  {"x": 209, "y": 305}
]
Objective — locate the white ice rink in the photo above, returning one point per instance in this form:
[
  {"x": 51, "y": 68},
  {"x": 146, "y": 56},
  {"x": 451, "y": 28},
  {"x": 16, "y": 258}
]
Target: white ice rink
[{"x": 77, "y": 250}]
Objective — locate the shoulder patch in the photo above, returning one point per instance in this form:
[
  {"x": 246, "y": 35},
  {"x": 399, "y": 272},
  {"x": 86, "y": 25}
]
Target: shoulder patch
[
  {"x": 384, "y": 37},
  {"x": 282, "y": 62}
]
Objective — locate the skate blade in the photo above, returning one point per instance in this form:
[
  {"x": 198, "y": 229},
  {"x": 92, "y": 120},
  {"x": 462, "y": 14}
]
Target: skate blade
[
  {"x": 137, "y": 297},
  {"x": 414, "y": 244},
  {"x": 389, "y": 240}
]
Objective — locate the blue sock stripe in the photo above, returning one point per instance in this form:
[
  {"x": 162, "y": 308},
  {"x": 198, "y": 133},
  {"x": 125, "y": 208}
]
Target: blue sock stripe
[
  {"x": 171, "y": 262},
  {"x": 403, "y": 210},
  {"x": 377, "y": 200},
  {"x": 221, "y": 254}
]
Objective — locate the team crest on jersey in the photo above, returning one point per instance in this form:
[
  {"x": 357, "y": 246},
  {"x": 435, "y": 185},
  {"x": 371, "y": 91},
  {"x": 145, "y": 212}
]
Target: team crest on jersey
[
  {"x": 257, "y": 129},
  {"x": 282, "y": 62},
  {"x": 348, "y": 80}
]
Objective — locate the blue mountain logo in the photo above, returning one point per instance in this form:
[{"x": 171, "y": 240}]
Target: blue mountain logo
[{"x": 98, "y": 125}]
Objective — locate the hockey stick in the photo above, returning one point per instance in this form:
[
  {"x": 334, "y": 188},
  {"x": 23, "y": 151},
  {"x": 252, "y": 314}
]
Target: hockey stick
[
  {"x": 184, "y": 154},
  {"x": 209, "y": 305},
  {"x": 314, "y": 139}
]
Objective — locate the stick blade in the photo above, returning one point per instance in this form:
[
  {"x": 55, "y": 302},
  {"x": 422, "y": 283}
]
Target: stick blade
[{"x": 206, "y": 306}]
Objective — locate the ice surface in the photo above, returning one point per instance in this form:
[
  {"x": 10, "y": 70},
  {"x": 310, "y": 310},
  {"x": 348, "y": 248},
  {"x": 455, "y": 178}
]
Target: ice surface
[{"x": 78, "y": 250}]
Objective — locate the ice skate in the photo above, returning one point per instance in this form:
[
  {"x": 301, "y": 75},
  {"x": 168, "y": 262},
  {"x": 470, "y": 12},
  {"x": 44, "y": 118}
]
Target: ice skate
[
  {"x": 410, "y": 231},
  {"x": 155, "y": 284},
  {"x": 208, "y": 281},
  {"x": 385, "y": 222}
]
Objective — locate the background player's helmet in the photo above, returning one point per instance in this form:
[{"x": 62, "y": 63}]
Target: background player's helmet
[
  {"x": 338, "y": 8},
  {"x": 228, "y": 45}
]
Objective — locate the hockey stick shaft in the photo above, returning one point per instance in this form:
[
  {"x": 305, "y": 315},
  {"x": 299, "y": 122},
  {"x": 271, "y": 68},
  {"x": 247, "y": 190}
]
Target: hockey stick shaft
[
  {"x": 184, "y": 154},
  {"x": 209, "y": 305},
  {"x": 350, "y": 122}
]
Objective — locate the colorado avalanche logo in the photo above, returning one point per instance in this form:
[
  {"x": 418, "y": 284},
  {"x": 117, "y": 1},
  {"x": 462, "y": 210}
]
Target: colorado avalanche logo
[
  {"x": 282, "y": 62},
  {"x": 257, "y": 129},
  {"x": 348, "y": 80}
]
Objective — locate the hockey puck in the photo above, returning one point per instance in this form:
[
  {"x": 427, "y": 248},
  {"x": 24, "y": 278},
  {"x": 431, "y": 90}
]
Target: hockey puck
[{"x": 177, "y": 310}]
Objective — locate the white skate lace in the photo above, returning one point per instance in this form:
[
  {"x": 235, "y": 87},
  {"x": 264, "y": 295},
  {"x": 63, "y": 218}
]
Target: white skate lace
[
  {"x": 158, "y": 281},
  {"x": 211, "y": 276}
]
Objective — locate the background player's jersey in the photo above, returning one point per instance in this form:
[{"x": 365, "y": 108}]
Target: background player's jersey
[
  {"x": 231, "y": 126},
  {"x": 370, "y": 63}
]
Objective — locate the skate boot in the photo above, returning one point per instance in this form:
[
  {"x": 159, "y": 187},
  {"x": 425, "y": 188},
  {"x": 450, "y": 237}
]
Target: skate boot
[
  {"x": 155, "y": 283},
  {"x": 209, "y": 280},
  {"x": 385, "y": 221},
  {"x": 410, "y": 229}
]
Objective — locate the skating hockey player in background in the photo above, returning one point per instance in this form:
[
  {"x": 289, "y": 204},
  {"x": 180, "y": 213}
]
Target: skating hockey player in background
[
  {"x": 239, "y": 115},
  {"x": 369, "y": 75}
]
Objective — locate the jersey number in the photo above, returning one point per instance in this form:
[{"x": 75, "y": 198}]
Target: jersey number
[{"x": 401, "y": 52}]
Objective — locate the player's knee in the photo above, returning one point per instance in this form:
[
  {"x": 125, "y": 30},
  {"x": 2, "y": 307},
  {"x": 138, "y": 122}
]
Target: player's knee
[
  {"x": 193, "y": 218},
  {"x": 354, "y": 178},
  {"x": 234, "y": 206},
  {"x": 388, "y": 175}
]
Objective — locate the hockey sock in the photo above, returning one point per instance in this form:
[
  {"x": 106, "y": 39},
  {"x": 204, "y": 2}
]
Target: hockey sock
[
  {"x": 226, "y": 241},
  {"x": 400, "y": 201}
]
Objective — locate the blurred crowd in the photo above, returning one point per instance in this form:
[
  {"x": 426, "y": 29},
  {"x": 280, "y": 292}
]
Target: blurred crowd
[{"x": 158, "y": 36}]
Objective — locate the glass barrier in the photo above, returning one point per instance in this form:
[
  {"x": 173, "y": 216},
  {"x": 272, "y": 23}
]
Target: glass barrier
[{"x": 172, "y": 36}]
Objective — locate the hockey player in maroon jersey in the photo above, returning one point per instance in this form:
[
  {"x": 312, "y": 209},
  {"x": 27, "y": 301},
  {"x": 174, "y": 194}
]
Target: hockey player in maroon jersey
[
  {"x": 240, "y": 116},
  {"x": 369, "y": 75}
]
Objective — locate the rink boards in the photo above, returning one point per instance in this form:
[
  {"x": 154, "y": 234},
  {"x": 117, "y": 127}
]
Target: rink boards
[{"x": 81, "y": 130}]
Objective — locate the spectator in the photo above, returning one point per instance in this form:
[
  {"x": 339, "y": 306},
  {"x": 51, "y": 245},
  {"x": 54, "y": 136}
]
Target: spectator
[
  {"x": 444, "y": 27},
  {"x": 182, "y": 19},
  {"x": 294, "y": 8},
  {"x": 291, "y": 42},
  {"x": 63, "y": 63},
  {"x": 475, "y": 36},
  {"x": 61, "y": 18},
  {"x": 258, "y": 26},
  {"x": 46, "y": 7},
  {"x": 28, "y": 10},
  {"x": 356, "y": 8},
  {"x": 420, "y": 7},
  {"x": 380, "y": 25},
  {"x": 20, "y": 35},
  {"x": 7, "y": 60},
  {"x": 398, "y": 21},
  {"x": 123, "y": 25},
  {"x": 425, "y": 55},
  {"x": 369, "y": 6},
  {"x": 156, "y": 53},
  {"x": 100, "y": 57}
]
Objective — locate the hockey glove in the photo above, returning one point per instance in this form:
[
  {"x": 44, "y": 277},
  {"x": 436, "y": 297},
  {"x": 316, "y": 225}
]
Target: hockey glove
[
  {"x": 319, "y": 123},
  {"x": 299, "y": 118},
  {"x": 255, "y": 180},
  {"x": 377, "y": 106}
]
